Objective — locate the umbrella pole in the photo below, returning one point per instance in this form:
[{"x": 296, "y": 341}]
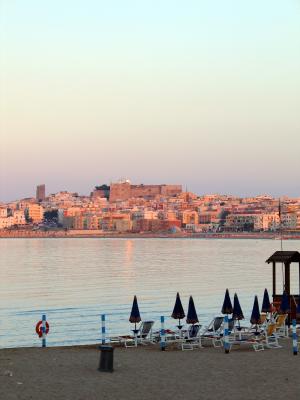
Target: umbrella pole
[
  {"x": 240, "y": 331},
  {"x": 225, "y": 335},
  {"x": 135, "y": 335}
]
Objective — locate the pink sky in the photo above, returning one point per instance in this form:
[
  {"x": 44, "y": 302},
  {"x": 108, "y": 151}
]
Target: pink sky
[{"x": 207, "y": 96}]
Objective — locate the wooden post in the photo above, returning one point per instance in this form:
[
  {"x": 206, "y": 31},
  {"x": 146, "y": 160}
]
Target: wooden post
[
  {"x": 287, "y": 287},
  {"x": 299, "y": 282},
  {"x": 287, "y": 279},
  {"x": 274, "y": 278}
]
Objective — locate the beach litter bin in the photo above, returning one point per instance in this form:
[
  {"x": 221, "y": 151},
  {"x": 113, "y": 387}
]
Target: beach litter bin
[{"x": 106, "y": 363}]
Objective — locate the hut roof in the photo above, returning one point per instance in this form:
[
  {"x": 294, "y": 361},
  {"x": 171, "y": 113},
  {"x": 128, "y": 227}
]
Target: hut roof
[{"x": 284, "y": 256}]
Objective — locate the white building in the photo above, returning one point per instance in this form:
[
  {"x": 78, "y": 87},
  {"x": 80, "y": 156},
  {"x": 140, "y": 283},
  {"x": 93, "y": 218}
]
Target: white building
[
  {"x": 3, "y": 212},
  {"x": 289, "y": 220},
  {"x": 267, "y": 222}
]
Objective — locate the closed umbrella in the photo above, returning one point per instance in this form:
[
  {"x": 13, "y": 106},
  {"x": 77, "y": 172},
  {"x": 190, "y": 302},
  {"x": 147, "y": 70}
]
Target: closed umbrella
[
  {"x": 266, "y": 305},
  {"x": 192, "y": 317},
  {"x": 237, "y": 313},
  {"x": 255, "y": 315},
  {"x": 135, "y": 316},
  {"x": 285, "y": 304},
  {"x": 237, "y": 310},
  {"x": 227, "y": 305},
  {"x": 178, "y": 312},
  {"x": 227, "y": 309}
]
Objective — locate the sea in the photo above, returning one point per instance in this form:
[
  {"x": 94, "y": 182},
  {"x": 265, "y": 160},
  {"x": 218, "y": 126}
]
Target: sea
[{"x": 76, "y": 280}]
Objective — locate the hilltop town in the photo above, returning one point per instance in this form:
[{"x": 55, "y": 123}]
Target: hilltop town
[{"x": 123, "y": 208}]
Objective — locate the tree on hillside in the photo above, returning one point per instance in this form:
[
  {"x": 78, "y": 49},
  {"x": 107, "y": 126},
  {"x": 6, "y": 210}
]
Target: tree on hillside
[{"x": 51, "y": 216}]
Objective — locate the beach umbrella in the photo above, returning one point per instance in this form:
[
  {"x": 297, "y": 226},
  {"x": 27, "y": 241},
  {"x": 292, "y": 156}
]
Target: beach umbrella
[
  {"x": 178, "y": 312},
  {"x": 227, "y": 305},
  {"x": 237, "y": 310},
  {"x": 255, "y": 315},
  {"x": 226, "y": 309},
  {"x": 135, "y": 313},
  {"x": 237, "y": 313},
  {"x": 285, "y": 304},
  {"x": 192, "y": 317},
  {"x": 266, "y": 305}
]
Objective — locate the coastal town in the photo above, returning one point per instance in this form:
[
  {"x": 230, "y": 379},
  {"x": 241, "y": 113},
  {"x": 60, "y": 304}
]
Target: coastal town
[{"x": 124, "y": 208}]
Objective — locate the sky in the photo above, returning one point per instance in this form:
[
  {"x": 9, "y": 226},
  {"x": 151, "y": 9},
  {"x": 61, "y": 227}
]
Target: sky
[{"x": 201, "y": 93}]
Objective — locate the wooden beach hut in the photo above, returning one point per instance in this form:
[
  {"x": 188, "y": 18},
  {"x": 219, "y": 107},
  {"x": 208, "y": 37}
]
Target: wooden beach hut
[{"x": 285, "y": 259}]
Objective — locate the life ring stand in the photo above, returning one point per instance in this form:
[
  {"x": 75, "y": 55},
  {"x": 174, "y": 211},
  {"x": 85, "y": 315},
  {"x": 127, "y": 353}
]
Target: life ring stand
[{"x": 39, "y": 330}]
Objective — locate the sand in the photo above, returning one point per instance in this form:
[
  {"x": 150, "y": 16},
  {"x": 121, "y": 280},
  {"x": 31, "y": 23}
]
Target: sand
[{"x": 148, "y": 373}]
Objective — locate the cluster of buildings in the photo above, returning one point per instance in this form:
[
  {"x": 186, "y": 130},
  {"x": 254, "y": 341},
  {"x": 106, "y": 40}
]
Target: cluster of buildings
[{"x": 123, "y": 207}]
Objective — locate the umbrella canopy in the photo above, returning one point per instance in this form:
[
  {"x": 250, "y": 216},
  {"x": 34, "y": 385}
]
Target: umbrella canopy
[
  {"x": 227, "y": 306},
  {"x": 266, "y": 305},
  {"x": 285, "y": 304},
  {"x": 135, "y": 312},
  {"x": 192, "y": 317},
  {"x": 237, "y": 310},
  {"x": 255, "y": 316},
  {"x": 178, "y": 312}
]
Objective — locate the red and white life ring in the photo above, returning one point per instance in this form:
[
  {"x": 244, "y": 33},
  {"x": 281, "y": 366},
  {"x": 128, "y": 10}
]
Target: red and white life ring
[{"x": 39, "y": 328}]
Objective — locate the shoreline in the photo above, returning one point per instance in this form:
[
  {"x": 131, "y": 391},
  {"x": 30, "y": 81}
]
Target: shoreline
[{"x": 163, "y": 235}]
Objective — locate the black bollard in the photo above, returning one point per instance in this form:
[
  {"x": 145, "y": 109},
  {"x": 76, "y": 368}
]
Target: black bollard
[{"x": 106, "y": 363}]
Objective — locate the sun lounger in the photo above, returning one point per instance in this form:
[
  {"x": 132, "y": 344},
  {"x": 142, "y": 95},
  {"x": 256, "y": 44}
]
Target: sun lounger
[
  {"x": 213, "y": 332},
  {"x": 144, "y": 335},
  {"x": 258, "y": 340},
  {"x": 170, "y": 336},
  {"x": 281, "y": 327},
  {"x": 246, "y": 338},
  {"x": 270, "y": 337},
  {"x": 192, "y": 338}
]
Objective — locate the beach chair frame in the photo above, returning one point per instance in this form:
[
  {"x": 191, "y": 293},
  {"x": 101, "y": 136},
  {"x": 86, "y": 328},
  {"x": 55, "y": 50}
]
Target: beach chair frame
[
  {"x": 267, "y": 338},
  {"x": 213, "y": 332},
  {"x": 281, "y": 327},
  {"x": 270, "y": 337},
  {"x": 144, "y": 335},
  {"x": 192, "y": 340}
]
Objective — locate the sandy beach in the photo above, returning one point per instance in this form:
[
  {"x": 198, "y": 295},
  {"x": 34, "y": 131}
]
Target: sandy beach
[{"x": 148, "y": 373}]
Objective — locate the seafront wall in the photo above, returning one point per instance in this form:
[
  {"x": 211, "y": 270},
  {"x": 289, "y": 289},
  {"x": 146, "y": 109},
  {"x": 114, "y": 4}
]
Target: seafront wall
[{"x": 100, "y": 234}]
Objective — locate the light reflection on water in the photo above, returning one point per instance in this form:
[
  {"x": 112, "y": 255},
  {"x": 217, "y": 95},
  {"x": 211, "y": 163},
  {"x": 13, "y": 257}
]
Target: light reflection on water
[{"x": 75, "y": 280}]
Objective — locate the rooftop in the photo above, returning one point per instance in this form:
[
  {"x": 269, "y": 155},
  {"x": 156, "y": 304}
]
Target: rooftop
[{"x": 284, "y": 256}]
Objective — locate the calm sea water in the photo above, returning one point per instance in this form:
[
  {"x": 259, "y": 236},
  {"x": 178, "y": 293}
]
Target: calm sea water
[{"x": 74, "y": 281}]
